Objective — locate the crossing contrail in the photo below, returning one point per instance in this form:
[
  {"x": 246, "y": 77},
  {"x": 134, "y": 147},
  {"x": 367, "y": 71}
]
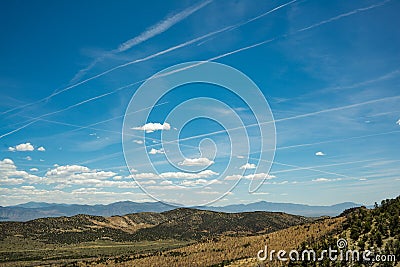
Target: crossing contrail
[
  {"x": 149, "y": 57},
  {"x": 211, "y": 59},
  {"x": 149, "y": 33}
]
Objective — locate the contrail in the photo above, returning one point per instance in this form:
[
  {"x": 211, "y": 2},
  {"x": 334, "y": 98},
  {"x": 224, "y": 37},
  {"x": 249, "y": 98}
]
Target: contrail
[
  {"x": 90, "y": 126},
  {"x": 149, "y": 33},
  {"x": 358, "y": 10},
  {"x": 336, "y": 140},
  {"x": 147, "y": 58},
  {"x": 160, "y": 27},
  {"x": 64, "y": 109},
  {"x": 211, "y": 59},
  {"x": 290, "y": 118},
  {"x": 312, "y": 168}
]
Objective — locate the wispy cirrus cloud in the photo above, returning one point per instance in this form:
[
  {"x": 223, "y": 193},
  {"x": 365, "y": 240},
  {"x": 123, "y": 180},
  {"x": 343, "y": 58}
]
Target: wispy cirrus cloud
[
  {"x": 315, "y": 25},
  {"x": 160, "y": 27},
  {"x": 149, "y": 33}
]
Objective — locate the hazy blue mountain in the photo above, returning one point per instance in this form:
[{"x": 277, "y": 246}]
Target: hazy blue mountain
[
  {"x": 297, "y": 209},
  {"x": 34, "y": 210}
]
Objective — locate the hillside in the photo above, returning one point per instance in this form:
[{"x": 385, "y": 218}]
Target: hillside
[
  {"x": 181, "y": 224},
  {"x": 362, "y": 228},
  {"x": 375, "y": 229}
]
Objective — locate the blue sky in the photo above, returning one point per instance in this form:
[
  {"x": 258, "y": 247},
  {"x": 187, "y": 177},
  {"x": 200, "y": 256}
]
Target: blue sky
[{"x": 330, "y": 71}]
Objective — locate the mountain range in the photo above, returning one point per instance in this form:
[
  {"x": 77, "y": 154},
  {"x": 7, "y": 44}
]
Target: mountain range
[{"x": 34, "y": 210}]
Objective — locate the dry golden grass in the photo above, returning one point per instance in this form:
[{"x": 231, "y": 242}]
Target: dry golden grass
[
  {"x": 240, "y": 251},
  {"x": 122, "y": 223}
]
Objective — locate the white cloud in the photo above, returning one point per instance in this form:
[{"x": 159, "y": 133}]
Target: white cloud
[
  {"x": 144, "y": 175},
  {"x": 319, "y": 153},
  {"x": 154, "y": 151},
  {"x": 398, "y": 122},
  {"x": 151, "y": 127},
  {"x": 9, "y": 174},
  {"x": 318, "y": 180},
  {"x": 166, "y": 182},
  {"x": 147, "y": 182},
  {"x": 173, "y": 175},
  {"x": 28, "y": 158},
  {"x": 64, "y": 171},
  {"x": 22, "y": 147},
  {"x": 28, "y": 187},
  {"x": 138, "y": 142},
  {"x": 240, "y": 157},
  {"x": 256, "y": 176},
  {"x": 41, "y": 149},
  {"x": 199, "y": 182},
  {"x": 34, "y": 169},
  {"x": 321, "y": 180},
  {"x": 196, "y": 162},
  {"x": 79, "y": 175},
  {"x": 248, "y": 166},
  {"x": 188, "y": 175}
]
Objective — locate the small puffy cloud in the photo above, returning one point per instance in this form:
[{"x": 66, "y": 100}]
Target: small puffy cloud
[
  {"x": 240, "y": 157},
  {"x": 154, "y": 151},
  {"x": 198, "y": 182},
  {"x": 196, "y": 162},
  {"x": 319, "y": 153},
  {"x": 194, "y": 182},
  {"x": 42, "y": 149},
  {"x": 138, "y": 142},
  {"x": 34, "y": 169},
  {"x": 256, "y": 176},
  {"x": 398, "y": 122},
  {"x": 319, "y": 180},
  {"x": 248, "y": 166},
  {"x": 188, "y": 175},
  {"x": 28, "y": 158},
  {"x": 166, "y": 182},
  {"x": 22, "y": 147},
  {"x": 151, "y": 127}
]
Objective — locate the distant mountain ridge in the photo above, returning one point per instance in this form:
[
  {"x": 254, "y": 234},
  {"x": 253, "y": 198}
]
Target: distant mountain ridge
[
  {"x": 34, "y": 210},
  {"x": 297, "y": 209}
]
